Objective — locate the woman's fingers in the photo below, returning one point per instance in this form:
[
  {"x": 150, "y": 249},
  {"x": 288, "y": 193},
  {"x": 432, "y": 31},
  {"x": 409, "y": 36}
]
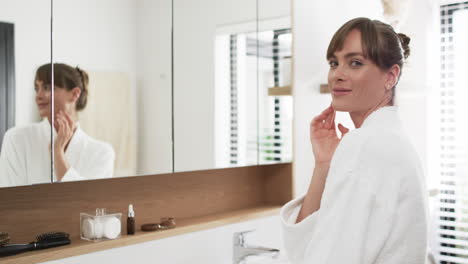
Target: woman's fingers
[
  {"x": 318, "y": 122},
  {"x": 324, "y": 120},
  {"x": 68, "y": 119},
  {"x": 64, "y": 132},
  {"x": 343, "y": 130},
  {"x": 330, "y": 121},
  {"x": 62, "y": 127}
]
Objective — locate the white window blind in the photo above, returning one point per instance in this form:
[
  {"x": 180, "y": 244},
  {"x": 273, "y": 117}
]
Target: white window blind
[
  {"x": 452, "y": 202},
  {"x": 275, "y": 124}
]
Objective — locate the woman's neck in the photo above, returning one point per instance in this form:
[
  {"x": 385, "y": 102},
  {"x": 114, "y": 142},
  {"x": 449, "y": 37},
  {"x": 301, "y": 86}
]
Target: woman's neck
[
  {"x": 358, "y": 117},
  {"x": 73, "y": 116}
]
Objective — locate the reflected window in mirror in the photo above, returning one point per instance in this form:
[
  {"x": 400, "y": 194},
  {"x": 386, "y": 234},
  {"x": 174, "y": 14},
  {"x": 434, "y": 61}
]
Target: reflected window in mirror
[
  {"x": 275, "y": 99},
  {"x": 235, "y": 97},
  {"x": 237, "y": 56}
]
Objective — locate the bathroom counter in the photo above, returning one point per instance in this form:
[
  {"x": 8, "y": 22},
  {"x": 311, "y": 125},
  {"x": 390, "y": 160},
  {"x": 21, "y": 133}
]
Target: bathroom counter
[{"x": 184, "y": 226}]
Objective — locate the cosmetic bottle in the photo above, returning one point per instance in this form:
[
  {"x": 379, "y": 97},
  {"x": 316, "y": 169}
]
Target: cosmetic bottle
[{"x": 130, "y": 221}]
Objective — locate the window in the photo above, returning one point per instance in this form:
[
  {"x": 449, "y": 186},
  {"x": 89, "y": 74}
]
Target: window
[{"x": 452, "y": 202}]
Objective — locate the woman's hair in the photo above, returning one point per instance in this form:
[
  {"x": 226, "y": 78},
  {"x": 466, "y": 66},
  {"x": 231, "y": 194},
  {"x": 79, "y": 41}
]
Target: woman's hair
[
  {"x": 66, "y": 77},
  {"x": 380, "y": 43}
]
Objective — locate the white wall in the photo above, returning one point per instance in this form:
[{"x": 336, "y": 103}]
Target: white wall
[
  {"x": 31, "y": 20},
  {"x": 417, "y": 85}
]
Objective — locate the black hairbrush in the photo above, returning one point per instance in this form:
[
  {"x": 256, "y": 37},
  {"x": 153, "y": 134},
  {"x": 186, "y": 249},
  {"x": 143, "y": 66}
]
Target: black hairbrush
[
  {"x": 46, "y": 240},
  {"x": 4, "y": 239}
]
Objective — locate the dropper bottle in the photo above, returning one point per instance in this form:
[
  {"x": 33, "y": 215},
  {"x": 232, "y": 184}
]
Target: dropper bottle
[{"x": 130, "y": 220}]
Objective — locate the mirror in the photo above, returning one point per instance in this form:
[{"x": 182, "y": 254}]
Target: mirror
[
  {"x": 124, "y": 47},
  {"x": 24, "y": 46},
  {"x": 120, "y": 51},
  {"x": 232, "y": 110},
  {"x": 215, "y": 81},
  {"x": 225, "y": 77},
  {"x": 275, "y": 102}
]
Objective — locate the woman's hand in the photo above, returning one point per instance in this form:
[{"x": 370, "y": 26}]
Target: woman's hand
[
  {"x": 65, "y": 128},
  {"x": 323, "y": 136}
]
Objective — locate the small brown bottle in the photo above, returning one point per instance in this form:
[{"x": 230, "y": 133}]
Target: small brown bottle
[{"x": 130, "y": 221}]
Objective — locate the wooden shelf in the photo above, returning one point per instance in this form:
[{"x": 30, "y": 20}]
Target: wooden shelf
[
  {"x": 280, "y": 91},
  {"x": 184, "y": 226},
  {"x": 324, "y": 89}
]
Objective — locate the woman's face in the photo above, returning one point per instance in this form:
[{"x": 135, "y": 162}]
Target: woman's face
[
  {"x": 63, "y": 99},
  {"x": 356, "y": 83}
]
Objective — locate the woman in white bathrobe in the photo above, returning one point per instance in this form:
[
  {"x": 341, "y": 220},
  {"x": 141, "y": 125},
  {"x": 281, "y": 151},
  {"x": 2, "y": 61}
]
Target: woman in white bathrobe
[
  {"x": 25, "y": 155},
  {"x": 367, "y": 201}
]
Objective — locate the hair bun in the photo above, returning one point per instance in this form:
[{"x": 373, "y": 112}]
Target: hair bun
[
  {"x": 405, "y": 40},
  {"x": 83, "y": 99}
]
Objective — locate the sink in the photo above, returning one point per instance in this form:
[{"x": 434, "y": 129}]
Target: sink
[{"x": 281, "y": 259}]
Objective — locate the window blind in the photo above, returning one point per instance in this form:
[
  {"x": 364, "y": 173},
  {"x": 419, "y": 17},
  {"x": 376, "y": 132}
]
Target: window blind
[
  {"x": 275, "y": 111},
  {"x": 274, "y": 143},
  {"x": 452, "y": 202},
  {"x": 233, "y": 100}
]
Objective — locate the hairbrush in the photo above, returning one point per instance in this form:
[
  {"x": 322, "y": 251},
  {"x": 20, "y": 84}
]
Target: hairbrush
[
  {"x": 45, "y": 240},
  {"x": 4, "y": 239}
]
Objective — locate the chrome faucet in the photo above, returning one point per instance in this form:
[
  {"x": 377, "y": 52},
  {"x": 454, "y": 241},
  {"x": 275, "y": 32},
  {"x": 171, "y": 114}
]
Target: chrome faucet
[{"x": 241, "y": 250}]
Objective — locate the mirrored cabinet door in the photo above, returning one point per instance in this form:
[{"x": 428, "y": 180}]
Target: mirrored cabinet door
[
  {"x": 274, "y": 81},
  {"x": 232, "y": 83},
  {"x": 25, "y": 45},
  {"x": 113, "y": 87},
  {"x": 215, "y": 84}
]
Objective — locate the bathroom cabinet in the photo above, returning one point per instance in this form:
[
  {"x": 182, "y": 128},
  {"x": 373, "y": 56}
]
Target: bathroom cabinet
[{"x": 199, "y": 200}]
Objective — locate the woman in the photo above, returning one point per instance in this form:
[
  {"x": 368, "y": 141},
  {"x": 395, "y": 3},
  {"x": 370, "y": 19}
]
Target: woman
[
  {"x": 366, "y": 202},
  {"x": 26, "y": 150}
]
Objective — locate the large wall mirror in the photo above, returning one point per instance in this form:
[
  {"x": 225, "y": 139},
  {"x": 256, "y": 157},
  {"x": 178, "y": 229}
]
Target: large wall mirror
[{"x": 145, "y": 86}]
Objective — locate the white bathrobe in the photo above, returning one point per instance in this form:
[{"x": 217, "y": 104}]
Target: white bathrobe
[
  {"x": 374, "y": 205},
  {"x": 25, "y": 156}
]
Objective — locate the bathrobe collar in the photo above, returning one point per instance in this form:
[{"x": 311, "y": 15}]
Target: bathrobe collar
[
  {"x": 384, "y": 116},
  {"x": 45, "y": 129}
]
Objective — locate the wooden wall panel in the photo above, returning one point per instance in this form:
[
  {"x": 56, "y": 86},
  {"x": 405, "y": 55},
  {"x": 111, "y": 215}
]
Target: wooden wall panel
[{"x": 278, "y": 184}]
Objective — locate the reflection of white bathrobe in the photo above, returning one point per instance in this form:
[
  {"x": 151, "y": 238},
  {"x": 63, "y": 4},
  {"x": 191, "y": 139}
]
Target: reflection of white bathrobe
[
  {"x": 25, "y": 156},
  {"x": 374, "y": 205}
]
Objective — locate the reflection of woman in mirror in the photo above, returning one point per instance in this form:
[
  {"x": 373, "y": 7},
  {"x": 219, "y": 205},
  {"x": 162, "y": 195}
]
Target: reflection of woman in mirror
[
  {"x": 367, "y": 201},
  {"x": 77, "y": 156}
]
